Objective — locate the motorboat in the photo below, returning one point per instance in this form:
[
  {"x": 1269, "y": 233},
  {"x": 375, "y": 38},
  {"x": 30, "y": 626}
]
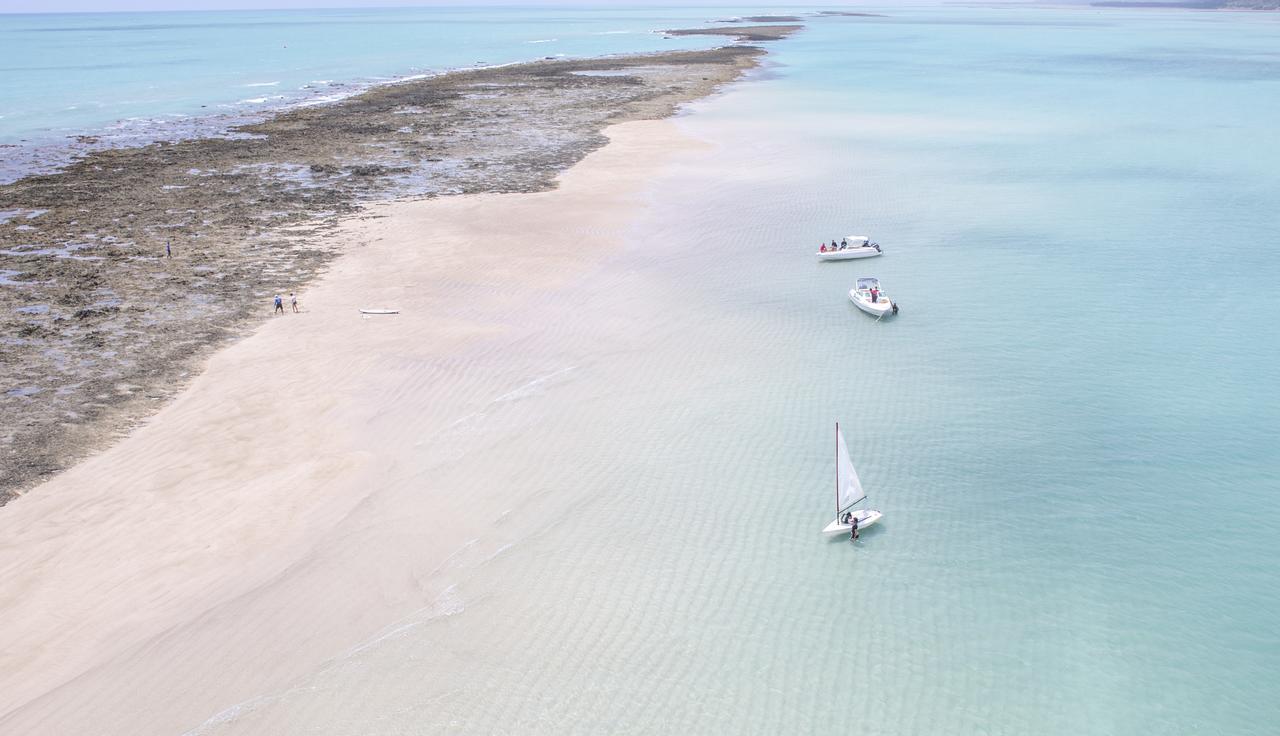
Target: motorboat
[
  {"x": 849, "y": 493},
  {"x": 870, "y": 298},
  {"x": 854, "y": 246}
]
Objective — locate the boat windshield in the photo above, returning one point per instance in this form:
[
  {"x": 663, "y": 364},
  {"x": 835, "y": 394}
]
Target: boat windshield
[{"x": 868, "y": 283}]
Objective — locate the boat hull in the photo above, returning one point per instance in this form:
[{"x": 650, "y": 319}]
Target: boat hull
[
  {"x": 865, "y": 517},
  {"x": 848, "y": 254},
  {"x": 879, "y": 309}
]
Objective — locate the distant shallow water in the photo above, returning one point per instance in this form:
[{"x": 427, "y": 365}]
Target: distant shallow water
[{"x": 80, "y": 81}]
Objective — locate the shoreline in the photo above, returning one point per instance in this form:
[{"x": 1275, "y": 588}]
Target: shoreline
[
  {"x": 207, "y": 527},
  {"x": 213, "y": 524},
  {"x": 55, "y": 155},
  {"x": 105, "y": 329}
]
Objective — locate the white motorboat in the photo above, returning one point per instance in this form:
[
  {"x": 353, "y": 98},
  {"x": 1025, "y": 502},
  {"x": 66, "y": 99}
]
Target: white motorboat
[
  {"x": 854, "y": 246},
  {"x": 848, "y": 493},
  {"x": 868, "y": 297}
]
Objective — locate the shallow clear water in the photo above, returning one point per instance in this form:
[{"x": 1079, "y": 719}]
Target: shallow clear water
[{"x": 1071, "y": 428}]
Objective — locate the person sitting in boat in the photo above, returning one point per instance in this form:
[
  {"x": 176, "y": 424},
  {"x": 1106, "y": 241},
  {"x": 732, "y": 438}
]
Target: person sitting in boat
[
  {"x": 844, "y": 242},
  {"x": 834, "y": 247},
  {"x": 847, "y": 518},
  {"x": 823, "y": 248}
]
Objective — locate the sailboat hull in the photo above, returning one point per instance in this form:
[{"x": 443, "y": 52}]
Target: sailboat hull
[{"x": 865, "y": 517}]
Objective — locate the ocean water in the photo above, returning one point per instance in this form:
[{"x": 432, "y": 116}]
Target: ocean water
[
  {"x": 1071, "y": 428},
  {"x": 129, "y": 78}
]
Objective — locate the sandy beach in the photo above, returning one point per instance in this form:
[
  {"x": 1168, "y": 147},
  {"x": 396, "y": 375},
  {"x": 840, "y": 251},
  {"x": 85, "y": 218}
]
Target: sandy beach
[
  {"x": 102, "y": 326},
  {"x": 141, "y": 582}
]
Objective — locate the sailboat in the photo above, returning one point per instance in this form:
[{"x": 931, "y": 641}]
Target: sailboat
[{"x": 848, "y": 493}]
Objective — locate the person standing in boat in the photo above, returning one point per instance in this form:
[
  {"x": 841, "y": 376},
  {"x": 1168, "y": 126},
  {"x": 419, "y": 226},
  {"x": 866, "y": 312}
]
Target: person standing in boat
[{"x": 875, "y": 295}]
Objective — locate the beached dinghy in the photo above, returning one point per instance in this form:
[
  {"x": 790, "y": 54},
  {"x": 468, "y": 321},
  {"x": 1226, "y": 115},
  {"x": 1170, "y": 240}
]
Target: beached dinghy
[
  {"x": 848, "y": 493},
  {"x": 379, "y": 311},
  {"x": 869, "y": 298},
  {"x": 854, "y": 246}
]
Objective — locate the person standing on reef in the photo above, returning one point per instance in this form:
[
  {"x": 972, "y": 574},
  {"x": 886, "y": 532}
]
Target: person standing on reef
[
  {"x": 279, "y": 304},
  {"x": 293, "y": 300}
]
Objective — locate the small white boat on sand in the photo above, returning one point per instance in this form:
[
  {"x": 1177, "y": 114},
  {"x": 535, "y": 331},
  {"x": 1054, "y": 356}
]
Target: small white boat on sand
[
  {"x": 868, "y": 297},
  {"x": 848, "y": 493},
  {"x": 854, "y": 246},
  {"x": 379, "y": 311}
]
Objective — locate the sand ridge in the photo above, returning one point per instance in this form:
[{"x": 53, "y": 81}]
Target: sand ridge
[
  {"x": 101, "y": 328},
  {"x": 162, "y": 581}
]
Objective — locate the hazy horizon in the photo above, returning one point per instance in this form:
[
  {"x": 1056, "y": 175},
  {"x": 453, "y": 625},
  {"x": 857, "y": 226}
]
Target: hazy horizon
[{"x": 98, "y": 6}]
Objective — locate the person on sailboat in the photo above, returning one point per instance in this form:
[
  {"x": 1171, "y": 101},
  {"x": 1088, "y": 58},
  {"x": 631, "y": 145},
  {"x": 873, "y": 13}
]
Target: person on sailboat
[{"x": 853, "y": 528}]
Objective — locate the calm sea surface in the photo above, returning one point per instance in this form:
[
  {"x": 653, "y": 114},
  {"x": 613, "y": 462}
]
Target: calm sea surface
[{"x": 1072, "y": 428}]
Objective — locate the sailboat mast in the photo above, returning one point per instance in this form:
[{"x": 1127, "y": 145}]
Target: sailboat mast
[{"x": 837, "y": 471}]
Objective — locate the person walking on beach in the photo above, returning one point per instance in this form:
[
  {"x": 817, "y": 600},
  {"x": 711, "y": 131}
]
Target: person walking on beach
[
  {"x": 279, "y": 304},
  {"x": 293, "y": 299},
  {"x": 168, "y": 250}
]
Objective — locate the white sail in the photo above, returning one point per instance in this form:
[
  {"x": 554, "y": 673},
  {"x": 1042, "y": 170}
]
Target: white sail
[{"x": 848, "y": 487}]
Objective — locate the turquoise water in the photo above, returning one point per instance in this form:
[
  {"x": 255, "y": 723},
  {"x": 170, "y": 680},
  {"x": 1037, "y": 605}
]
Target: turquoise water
[
  {"x": 1072, "y": 427},
  {"x": 139, "y": 76}
]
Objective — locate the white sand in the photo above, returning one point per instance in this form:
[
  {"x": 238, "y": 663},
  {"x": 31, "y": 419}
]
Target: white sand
[{"x": 220, "y": 551}]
